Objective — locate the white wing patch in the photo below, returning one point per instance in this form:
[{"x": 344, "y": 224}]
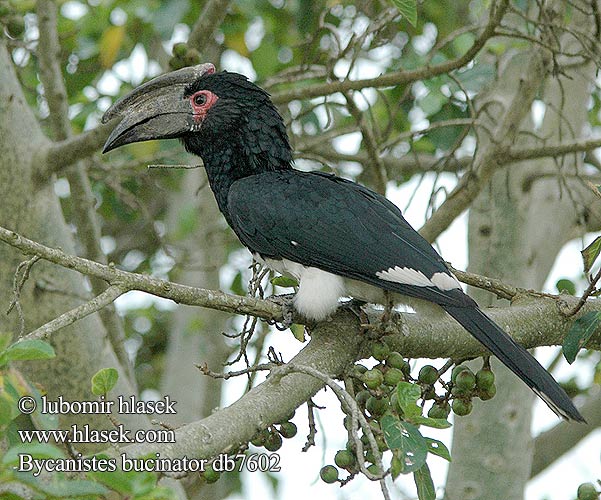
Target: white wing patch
[
  {"x": 405, "y": 276},
  {"x": 408, "y": 276},
  {"x": 445, "y": 281}
]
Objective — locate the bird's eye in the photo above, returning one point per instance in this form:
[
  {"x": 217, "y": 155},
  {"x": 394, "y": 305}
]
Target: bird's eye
[{"x": 200, "y": 99}]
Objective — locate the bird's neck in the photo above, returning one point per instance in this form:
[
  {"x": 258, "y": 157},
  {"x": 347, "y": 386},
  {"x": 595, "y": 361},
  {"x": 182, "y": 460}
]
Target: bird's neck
[{"x": 233, "y": 160}]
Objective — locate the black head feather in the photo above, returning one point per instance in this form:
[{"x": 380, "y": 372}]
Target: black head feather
[
  {"x": 243, "y": 121},
  {"x": 242, "y": 134}
]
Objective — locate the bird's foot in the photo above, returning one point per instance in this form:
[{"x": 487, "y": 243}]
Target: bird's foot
[
  {"x": 356, "y": 307},
  {"x": 386, "y": 325},
  {"x": 285, "y": 302}
]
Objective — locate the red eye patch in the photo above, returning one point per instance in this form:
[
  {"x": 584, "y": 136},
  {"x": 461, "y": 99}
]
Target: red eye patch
[{"x": 201, "y": 102}]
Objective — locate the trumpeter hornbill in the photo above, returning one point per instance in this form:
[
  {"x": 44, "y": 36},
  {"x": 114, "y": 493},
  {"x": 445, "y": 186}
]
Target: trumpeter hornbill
[{"x": 314, "y": 226}]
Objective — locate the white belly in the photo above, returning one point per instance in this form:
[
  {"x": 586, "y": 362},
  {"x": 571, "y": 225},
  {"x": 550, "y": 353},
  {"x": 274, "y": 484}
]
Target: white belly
[{"x": 319, "y": 291}]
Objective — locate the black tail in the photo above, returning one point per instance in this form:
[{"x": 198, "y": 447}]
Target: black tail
[{"x": 517, "y": 359}]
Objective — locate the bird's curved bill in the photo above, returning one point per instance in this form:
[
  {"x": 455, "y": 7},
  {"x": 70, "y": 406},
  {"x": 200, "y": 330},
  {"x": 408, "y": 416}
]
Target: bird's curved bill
[{"x": 154, "y": 110}]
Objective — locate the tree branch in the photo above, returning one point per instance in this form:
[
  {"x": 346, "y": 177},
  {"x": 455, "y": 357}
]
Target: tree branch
[
  {"x": 493, "y": 157},
  {"x": 182, "y": 294},
  {"x": 553, "y": 150},
  {"x": 398, "y": 77},
  {"x": 532, "y": 321},
  {"x": 334, "y": 345},
  {"x": 96, "y": 304},
  {"x": 492, "y": 285},
  {"x": 60, "y": 155},
  {"x": 212, "y": 15},
  {"x": 330, "y": 352}
]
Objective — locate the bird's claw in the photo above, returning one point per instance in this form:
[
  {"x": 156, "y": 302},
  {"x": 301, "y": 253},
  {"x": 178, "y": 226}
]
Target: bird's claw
[
  {"x": 386, "y": 324},
  {"x": 356, "y": 307},
  {"x": 285, "y": 302}
]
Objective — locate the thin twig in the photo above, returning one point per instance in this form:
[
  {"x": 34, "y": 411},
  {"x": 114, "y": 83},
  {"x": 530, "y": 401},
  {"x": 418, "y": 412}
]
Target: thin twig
[
  {"x": 589, "y": 290},
  {"x": 490, "y": 160},
  {"x": 398, "y": 78},
  {"x": 348, "y": 405},
  {"x": 312, "y": 427},
  {"x": 24, "y": 268},
  {"x": 96, "y": 304},
  {"x": 179, "y": 166},
  {"x": 245, "y": 371}
]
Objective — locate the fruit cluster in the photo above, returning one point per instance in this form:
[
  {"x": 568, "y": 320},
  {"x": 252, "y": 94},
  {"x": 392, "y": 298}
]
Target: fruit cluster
[
  {"x": 587, "y": 491},
  {"x": 377, "y": 395},
  {"x": 183, "y": 56}
]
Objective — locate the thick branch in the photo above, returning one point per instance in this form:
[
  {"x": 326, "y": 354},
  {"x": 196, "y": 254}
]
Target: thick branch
[
  {"x": 531, "y": 321},
  {"x": 60, "y": 155},
  {"x": 331, "y": 350},
  {"x": 334, "y": 345}
]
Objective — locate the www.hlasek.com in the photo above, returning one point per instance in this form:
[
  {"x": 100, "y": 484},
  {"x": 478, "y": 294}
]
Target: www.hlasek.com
[
  {"x": 85, "y": 434},
  {"x": 120, "y": 435}
]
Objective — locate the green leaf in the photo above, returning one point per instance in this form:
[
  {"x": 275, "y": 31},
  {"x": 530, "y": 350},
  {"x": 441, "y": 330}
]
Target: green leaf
[
  {"x": 284, "y": 281},
  {"x": 424, "y": 483},
  {"x": 566, "y": 286},
  {"x": 298, "y": 331},
  {"x": 36, "y": 450},
  {"x": 20, "y": 387},
  {"x": 579, "y": 334},
  {"x": 104, "y": 380},
  {"x": 590, "y": 254},
  {"x": 62, "y": 488},
  {"x": 5, "y": 339},
  {"x": 438, "y": 448},
  {"x": 436, "y": 423},
  {"x": 28, "y": 349},
  {"x": 408, "y": 395},
  {"x": 406, "y": 438},
  {"x": 408, "y": 8},
  {"x": 237, "y": 286},
  {"x": 129, "y": 483}
]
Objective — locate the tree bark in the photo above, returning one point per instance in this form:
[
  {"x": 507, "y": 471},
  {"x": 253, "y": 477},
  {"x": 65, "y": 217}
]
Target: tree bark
[{"x": 33, "y": 209}]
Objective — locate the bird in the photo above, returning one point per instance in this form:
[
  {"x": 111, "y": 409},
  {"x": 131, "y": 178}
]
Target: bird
[{"x": 323, "y": 230}]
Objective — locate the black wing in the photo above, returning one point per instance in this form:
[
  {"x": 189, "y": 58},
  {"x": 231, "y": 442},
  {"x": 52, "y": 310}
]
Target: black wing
[
  {"x": 336, "y": 225},
  {"x": 339, "y": 226}
]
